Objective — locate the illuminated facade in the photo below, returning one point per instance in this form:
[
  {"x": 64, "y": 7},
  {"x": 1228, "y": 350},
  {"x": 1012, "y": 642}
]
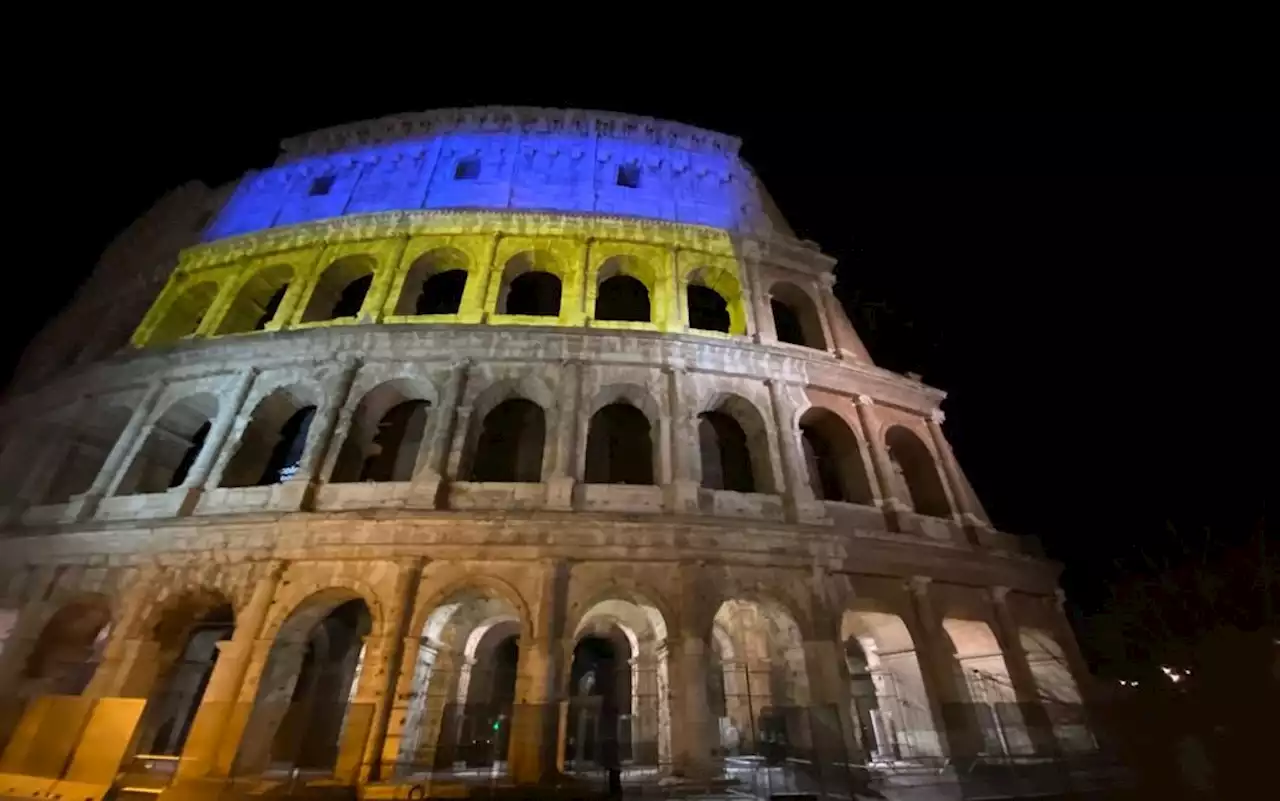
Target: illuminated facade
[{"x": 503, "y": 439}]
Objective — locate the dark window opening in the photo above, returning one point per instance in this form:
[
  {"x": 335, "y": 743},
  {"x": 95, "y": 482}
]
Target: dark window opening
[
  {"x": 629, "y": 176},
  {"x": 442, "y": 293},
  {"x": 321, "y": 186},
  {"x": 288, "y": 449},
  {"x": 619, "y": 447},
  {"x": 786, "y": 323},
  {"x": 726, "y": 457},
  {"x": 510, "y": 444},
  {"x": 395, "y": 446},
  {"x": 269, "y": 311},
  {"x": 708, "y": 311},
  {"x": 189, "y": 458},
  {"x": 352, "y": 298},
  {"x": 536, "y": 294},
  {"x": 623, "y": 298},
  {"x": 917, "y": 473},
  {"x": 824, "y": 472},
  {"x": 467, "y": 169}
]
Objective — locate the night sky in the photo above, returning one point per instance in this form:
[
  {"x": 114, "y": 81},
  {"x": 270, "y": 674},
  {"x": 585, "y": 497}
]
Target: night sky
[{"x": 1089, "y": 290}]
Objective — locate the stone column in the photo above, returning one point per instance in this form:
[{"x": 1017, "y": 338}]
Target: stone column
[
  {"x": 383, "y": 664},
  {"x": 693, "y": 731},
  {"x": 202, "y": 476},
  {"x": 832, "y": 313},
  {"x": 125, "y": 652},
  {"x": 797, "y": 496},
  {"x": 113, "y": 467},
  {"x": 320, "y": 437},
  {"x": 458, "y": 443},
  {"x": 218, "y": 706},
  {"x": 433, "y": 454},
  {"x": 562, "y": 459},
  {"x": 1076, "y": 663},
  {"x": 1029, "y": 697},
  {"x": 832, "y": 723},
  {"x": 682, "y": 488},
  {"x": 383, "y": 279},
  {"x": 889, "y": 501},
  {"x": 539, "y": 675},
  {"x": 948, "y": 707},
  {"x": 761, "y": 298},
  {"x": 967, "y": 511}
]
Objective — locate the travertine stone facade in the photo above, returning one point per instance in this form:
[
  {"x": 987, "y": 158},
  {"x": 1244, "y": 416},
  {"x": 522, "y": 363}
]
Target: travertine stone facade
[{"x": 426, "y": 503}]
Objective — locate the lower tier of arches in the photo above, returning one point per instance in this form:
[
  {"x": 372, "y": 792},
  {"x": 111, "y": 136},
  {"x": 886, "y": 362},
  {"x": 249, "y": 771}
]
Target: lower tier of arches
[{"x": 392, "y": 669}]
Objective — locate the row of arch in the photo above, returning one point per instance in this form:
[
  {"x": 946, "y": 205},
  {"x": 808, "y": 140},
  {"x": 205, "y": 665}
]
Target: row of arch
[
  {"x": 456, "y": 695},
  {"x": 507, "y": 442},
  {"x": 437, "y": 284}
]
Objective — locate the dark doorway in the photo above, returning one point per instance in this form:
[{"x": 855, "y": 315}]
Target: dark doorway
[
  {"x": 623, "y": 298},
  {"x": 288, "y": 450},
  {"x": 442, "y": 293},
  {"x": 397, "y": 442},
  {"x": 708, "y": 311},
  {"x": 352, "y": 298},
  {"x": 510, "y": 444},
  {"x": 536, "y": 294},
  {"x": 599, "y": 725},
  {"x": 726, "y": 456},
  {"x": 619, "y": 446}
]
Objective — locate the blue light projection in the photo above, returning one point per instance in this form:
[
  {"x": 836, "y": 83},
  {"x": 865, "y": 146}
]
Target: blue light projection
[{"x": 542, "y": 172}]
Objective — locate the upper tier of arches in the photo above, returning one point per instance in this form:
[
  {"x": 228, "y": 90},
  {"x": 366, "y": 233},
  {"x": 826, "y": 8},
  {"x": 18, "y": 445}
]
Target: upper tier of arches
[{"x": 472, "y": 268}]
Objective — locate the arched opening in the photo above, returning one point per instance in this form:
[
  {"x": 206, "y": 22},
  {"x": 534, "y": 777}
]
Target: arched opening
[
  {"x": 274, "y": 441},
  {"x": 185, "y": 314},
  {"x": 989, "y": 713},
  {"x": 530, "y": 287},
  {"x": 386, "y": 434},
  {"x": 1057, "y": 689},
  {"x": 188, "y": 641},
  {"x": 171, "y": 447},
  {"x": 435, "y": 283},
  {"x": 619, "y": 446},
  {"x": 734, "y": 448},
  {"x": 891, "y": 714},
  {"x": 257, "y": 302},
  {"x": 833, "y": 457},
  {"x": 618, "y": 688},
  {"x": 916, "y": 474},
  {"x": 623, "y": 298},
  {"x": 464, "y": 681},
  {"x": 340, "y": 290},
  {"x": 795, "y": 318},
  {"x": 68, "y": 650},
  {"x": 760, "y": 652},
  {"x": 510, "y": 443},
  {"x": 712, "y": 297},
  {"x": 600, "y": 688},
  {"x": 302, "y": 710},
  {"x": 87, "y": 447}
]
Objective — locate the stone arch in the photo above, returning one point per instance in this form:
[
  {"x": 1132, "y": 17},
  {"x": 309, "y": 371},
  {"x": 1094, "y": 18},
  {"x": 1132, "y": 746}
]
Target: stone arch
[
  {"x": 302, "y": 705},
  {"x": 1057, "y": 689},
  {"x": 917, "y": 472},
  {"x": 891, "y": 711},
  {"x": 257, "y": 300},
  {"x": 796, "y": 320},
  {"x": 171, "y": 447},
  {"x": 765, "y": 678},
  {"x": 622, "y": 447},
  {"x": 69, "y": 647},
  {"x": 463, "y": 674},
  {"x": 733, "y": 443},
  {"x": 702, "y": 286},
  {"x": 185, "y": 630},
  {"x": 274, "y": 440},
  {"x": 88, "y": 441},
  {"x": 185, "y": 313},
  {"x": 435, "y": 283},
  {"x": 982, "y": 681},
  {"x": 626, "y": 290},
  {"x": 386, "y": 432},
  {"x": 508, "y": 436},
  {"x": 532, "y": 285},
  {"x": 833, "y": 457},
  {"x": 339, "y": 291}
]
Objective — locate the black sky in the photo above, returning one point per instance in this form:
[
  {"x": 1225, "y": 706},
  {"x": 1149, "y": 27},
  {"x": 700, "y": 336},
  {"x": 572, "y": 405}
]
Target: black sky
[{"x": 1090, "y": 289}]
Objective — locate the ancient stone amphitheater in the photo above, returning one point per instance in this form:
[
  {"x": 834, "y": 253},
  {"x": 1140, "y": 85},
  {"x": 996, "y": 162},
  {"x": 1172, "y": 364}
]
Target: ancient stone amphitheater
[{"x": 497, "y": 444}]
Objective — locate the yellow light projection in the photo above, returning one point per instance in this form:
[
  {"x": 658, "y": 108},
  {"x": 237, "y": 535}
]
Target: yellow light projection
[{"x": 443, "y": 268}]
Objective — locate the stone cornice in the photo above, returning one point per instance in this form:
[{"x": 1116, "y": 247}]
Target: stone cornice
[
  {"x": 507, "y": 120},
  {"x": 388, "y": 224}
]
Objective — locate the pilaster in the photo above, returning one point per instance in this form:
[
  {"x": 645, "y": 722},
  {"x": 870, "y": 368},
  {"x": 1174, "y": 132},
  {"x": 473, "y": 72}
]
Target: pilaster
[
  {"x": 887, "y": 497},
  {"x": 1029, "y": 697},
  {"x": 431, "y": 465}
]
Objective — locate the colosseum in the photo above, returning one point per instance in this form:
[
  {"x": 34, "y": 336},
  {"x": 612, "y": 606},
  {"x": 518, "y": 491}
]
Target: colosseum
[{"x": 502, "y": 445}]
